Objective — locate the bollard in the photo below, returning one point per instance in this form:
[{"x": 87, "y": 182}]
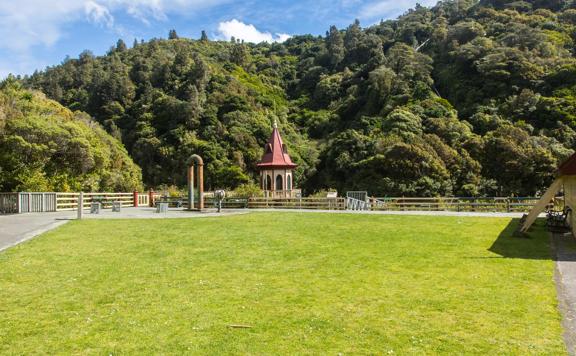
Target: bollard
[{"x": 80, "y": 205}]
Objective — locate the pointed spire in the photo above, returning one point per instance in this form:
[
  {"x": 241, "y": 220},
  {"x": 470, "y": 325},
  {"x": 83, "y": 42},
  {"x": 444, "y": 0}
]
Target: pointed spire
[{"x": 275, "y": 153}]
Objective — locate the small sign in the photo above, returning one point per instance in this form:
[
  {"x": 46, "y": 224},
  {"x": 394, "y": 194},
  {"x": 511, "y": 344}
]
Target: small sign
[{"x": 332, "y": 195}]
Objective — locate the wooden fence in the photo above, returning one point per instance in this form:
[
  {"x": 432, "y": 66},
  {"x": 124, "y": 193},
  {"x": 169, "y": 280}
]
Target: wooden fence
[
  {"x": 494, "y": 204},
  {"x": 298, "y": 203},
  {"x": 24, "y": 202},
  {"x": 69, "y": 201},
  {"x": 456, "y": 204},
  {"x": 38, "y": 202}
]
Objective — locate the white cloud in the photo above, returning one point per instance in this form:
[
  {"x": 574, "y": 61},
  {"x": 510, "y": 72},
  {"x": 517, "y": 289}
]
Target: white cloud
[
  {"x": 27, "y": 23},
  {"x": 247, "y": 32},
  {"x": 388, "y": 9},
  {"x": 98, "y": 13}
]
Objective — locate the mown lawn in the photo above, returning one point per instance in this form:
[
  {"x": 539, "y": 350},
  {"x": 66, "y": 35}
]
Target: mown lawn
[{"x": 304, "y": 283}]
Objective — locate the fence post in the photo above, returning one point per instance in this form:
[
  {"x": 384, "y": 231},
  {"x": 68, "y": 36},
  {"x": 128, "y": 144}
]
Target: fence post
[
  {"x": 135, "y": 196},
  {"x": 80, "y": 205},
  {"x": 18, "y": 203},
  {"x": 150, "y": 198}
]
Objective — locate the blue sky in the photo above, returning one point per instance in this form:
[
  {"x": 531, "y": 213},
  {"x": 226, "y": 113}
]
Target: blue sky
[{"x": 38, "y": 33}]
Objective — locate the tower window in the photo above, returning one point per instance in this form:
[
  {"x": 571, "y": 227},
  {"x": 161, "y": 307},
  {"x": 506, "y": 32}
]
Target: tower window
[
  {"x": 279, "y": 182},
  {"x": 268, "y": 183}
]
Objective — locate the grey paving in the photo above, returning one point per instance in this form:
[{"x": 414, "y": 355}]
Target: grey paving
[
  {"x": 18, "y": 228},
  {"x": 565, "y": 276},
  {"x": 150, "y": 213},
  {"x": 15, "y": 229}
]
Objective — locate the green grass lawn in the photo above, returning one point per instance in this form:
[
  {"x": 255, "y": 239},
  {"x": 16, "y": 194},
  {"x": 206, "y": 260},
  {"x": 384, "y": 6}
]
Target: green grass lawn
[{"x": 305, "y": 283}]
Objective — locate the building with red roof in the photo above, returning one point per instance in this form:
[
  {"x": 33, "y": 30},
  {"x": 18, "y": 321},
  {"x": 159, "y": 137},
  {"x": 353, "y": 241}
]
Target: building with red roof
[
  {"x": 276, "y": 168},
  {"x": 565, "y": 182}
]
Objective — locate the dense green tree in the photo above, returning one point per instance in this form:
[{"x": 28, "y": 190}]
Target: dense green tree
[
  {"x": 467, "y": 97},
  {"x": 203, "y": 36},
  {"x": 335, "y": 45},
  {"x": 46, "y": 147}
]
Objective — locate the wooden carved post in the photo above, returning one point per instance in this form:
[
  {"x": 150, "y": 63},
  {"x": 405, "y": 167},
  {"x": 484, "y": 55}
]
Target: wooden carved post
[
  {"x": 150, "y": 198},
  {"x": 200, "y": 186},
  {"x": 197, "y": 161},
  {"x": 135, "y": 199},
  {"x": 191, "y": 187}
]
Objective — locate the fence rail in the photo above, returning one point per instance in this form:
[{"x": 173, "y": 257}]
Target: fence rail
[
  {"x": 24, "y": 202},
  {"x": 496, "y": 204}
]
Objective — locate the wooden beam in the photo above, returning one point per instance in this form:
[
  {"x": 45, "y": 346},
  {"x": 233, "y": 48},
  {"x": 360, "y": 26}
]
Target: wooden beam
[{"x": 542, "y": 203}]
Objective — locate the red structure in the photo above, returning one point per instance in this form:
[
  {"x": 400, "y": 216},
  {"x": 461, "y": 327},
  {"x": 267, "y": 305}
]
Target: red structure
[
  {"x": 568, "y": 167},
  {"x": 276, "y": 168}
]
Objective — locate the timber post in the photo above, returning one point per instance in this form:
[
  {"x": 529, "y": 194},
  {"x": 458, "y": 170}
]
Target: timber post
[
  {"x": 80, "y": 205},
  {"x": 150, "y": 198}
]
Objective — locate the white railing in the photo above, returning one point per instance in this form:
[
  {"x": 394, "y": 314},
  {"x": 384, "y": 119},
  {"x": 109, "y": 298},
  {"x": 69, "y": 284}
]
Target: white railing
[
  {"x": 143, "y": 199},
  {"x": 39, "y": 202},
  {"x": 69, "y": 201},
  {"x": 279, "y": 194},
  {"x": 356, "y": 204}
]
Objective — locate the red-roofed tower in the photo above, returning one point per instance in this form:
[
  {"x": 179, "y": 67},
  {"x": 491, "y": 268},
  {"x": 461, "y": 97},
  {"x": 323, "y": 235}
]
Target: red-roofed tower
[{"x": 276, "y": 168}]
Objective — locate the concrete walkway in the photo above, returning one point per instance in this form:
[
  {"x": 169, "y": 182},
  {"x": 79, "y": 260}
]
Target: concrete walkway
[
  {"x": 565, "y": 275},
  {"x": 18, "y": 228},
  {"x": 15, "y": 229}
]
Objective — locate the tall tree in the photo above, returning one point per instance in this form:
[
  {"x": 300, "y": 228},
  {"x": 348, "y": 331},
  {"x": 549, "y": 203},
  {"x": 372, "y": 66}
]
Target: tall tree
[
  {"x": 172, "y": 35},
  {"x": 335, "y": 45}
]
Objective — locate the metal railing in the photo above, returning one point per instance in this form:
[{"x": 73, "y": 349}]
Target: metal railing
[{"x": 8, "y": 203}]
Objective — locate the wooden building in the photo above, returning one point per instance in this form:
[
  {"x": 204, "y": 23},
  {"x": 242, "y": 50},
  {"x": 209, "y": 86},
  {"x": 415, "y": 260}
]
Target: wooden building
[{"x": 566, "y": 182}]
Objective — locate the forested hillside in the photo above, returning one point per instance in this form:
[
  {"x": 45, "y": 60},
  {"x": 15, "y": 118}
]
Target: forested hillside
[
  {"x": 46, "y": 147},
  {"x": 464, "y": 98}
]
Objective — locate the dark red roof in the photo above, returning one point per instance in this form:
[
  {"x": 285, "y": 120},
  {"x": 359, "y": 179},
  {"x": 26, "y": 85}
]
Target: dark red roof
[
  {"x": 568, "y": 167},
  {"x": 275, "y": 153}
]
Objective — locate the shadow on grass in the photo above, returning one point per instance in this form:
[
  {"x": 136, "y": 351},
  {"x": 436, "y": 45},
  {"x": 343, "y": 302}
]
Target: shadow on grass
[{"x": 536, "y": 244}]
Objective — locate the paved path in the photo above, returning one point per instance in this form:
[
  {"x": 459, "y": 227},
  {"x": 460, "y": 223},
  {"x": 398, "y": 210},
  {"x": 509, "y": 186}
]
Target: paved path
[
  {"x": 565, "y": 276},
  {"x": 15, "y": 229},
  {"x": 18, "y": 228}
]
